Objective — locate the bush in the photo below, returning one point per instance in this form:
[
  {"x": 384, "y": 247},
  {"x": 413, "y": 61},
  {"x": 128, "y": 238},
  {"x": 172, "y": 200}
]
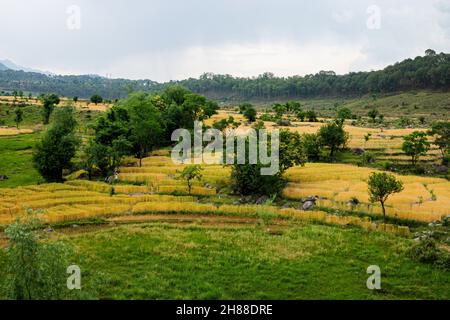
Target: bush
[
  {"x": 34, "y": 269},
  {"x": 368, "y": 158},
  {"x": 426, "y": 251},
  {"x": 266, "y": 117}
]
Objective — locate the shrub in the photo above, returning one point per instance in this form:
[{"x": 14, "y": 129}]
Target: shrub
[
  {"x": 368, "y": 158},
  {"x": 426, "y": 251},
  {"x": 34, "y": 269}
]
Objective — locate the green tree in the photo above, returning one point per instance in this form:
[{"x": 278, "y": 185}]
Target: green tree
[
  {"x": 311, "y": 115},
  {"x": 312, "y": 146},
  {"x": 441, "y": 133},
  {"x": 373, "y": 114},
  {"x": 415, "y": 145},
  {"x": 344, "y": 113},
  {"x": 57, "y": 147},
  {"x": 49, "y": 101},
  {"x": 246, "y": 179},
  {"x": 279, "y": 110},
  {"x": 250, "y": 113},
  {"x": 190, "y": 173},
  {"x": 380, "y": 186},
  {"x": 244, "y": 106},
  {"x": 19, "y": 116},
  {"x": 35, "y": 269},
  {"x": 333, "y": 136},
  {"x": 96, "y": 99},
  {"x": 145, "y": 124},
  {"x": 75, "y": 99}
]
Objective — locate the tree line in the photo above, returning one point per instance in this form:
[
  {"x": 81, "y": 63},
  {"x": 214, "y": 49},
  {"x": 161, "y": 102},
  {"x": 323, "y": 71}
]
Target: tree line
[{"x": 431, "y": 71}]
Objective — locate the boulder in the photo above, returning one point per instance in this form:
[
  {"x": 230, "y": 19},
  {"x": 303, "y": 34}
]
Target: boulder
[
  {"x": 261, "y": 200},
  {"x": 284, "y": 123},
  {"x": 3, "y": 177},
  {"x": 308, "y": 205},
  {"x": 358, "y": 151}
]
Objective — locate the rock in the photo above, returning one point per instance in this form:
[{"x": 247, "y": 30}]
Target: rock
[
  {"x": 75, "y": 226},
  {"x": 435, "y": 224},
  {"x": 284, "y": 123},
  {"x": 49, "y": 230},
  {"x": 286, "y": 206},
  {"x": 3, "y": 177},
  {"x": 308, "y": 205},
  {"x": 440, "y": 169},
  {"x": 261, "y": 200},
  {"x": 358, "y": 151},
  {"x": 236, "y": 203}
]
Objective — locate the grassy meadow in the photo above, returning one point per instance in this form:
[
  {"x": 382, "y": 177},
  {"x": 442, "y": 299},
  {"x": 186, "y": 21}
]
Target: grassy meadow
[{"x": 147, "y": 237}]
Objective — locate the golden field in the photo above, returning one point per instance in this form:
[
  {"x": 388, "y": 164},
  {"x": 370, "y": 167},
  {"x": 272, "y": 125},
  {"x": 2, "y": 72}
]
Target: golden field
[
  {"x": 74, "y": 201},
  {"x": 10, "y": 131}
]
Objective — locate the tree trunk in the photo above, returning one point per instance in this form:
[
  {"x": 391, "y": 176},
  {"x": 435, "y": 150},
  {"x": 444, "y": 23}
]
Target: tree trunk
[{"x": 384, "y": 211}]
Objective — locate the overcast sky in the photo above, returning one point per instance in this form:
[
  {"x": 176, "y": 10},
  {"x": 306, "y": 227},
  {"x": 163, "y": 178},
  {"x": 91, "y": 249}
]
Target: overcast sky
[{"x": 177, "y": 39}]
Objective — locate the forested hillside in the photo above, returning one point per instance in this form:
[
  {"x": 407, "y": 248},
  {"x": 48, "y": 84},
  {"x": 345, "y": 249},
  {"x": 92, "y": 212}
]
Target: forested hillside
[{"x": 431, "y": 72}]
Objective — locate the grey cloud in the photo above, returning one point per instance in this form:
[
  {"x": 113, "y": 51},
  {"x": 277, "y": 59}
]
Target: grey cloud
[{"x": 152, "y": 39}]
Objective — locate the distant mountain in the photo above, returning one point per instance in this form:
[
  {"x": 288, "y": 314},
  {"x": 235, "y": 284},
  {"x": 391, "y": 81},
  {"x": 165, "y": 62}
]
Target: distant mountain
[
  {"x": 3, "y": 67},
  {"x": 12, "y": 66}
]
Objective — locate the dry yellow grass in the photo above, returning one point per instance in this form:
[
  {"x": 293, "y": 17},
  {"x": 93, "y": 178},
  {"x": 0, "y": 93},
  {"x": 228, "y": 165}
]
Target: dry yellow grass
[
  {"x": 10, "y": 131},
  {"x": 337, "y": 184}
]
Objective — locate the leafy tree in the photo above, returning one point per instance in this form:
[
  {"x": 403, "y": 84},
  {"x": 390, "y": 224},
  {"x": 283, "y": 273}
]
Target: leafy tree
[
  {"x": 190, "y": 173},
  {"x": 35, "y": 270},
  {"x": 19, "y": 116},
  {"x": 293, "y": 106},
  {"x": 311, "y": 115},
  {"x": 312, "y": 146},
  {"x": 279, "y": 110},
  {"x": 57, "y": 147},
  {"x": 49, "y": 101},
  {"x": 196, "y": 108},
  {"x": 75, "y": 99},
  {"x": 244, "y": 106},
  {"x": 373, "y": 114},
  {"x": 175, "y": 94},
  {"x": 415, "y": 145},
  {"x": 344, "y": 113},
  {"x": 301, "y": 115},
  {"x": 441, "y": 132},
  {"x": 250, "y": 113},
  {"x": 333, "y": 136},
  {"x": 381, "y": 186},
  {"x": 247, "y": 179},
  {"x": 145, "y": 124},
  {"x": 96, "y": 99}
]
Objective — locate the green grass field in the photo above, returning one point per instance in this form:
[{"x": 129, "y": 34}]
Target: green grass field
[
  {"x": 15, "y": 160},
  {"x": 431, "y": 105},
  {"x": 195, "y": 261}
]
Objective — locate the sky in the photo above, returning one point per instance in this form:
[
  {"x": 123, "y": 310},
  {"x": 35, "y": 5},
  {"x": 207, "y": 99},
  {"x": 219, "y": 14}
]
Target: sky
[{"x": 166, "y": 40}]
